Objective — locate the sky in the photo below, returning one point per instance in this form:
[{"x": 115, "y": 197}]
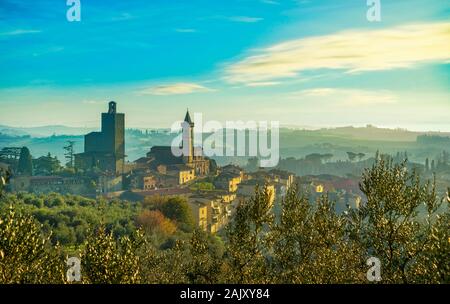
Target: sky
[{"x": 305, "y": 63}]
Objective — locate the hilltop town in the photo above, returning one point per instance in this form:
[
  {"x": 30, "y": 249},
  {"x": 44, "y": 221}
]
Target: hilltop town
[
  {"x": 101, "y": 170},
  {"x": 212, "y": 191}
]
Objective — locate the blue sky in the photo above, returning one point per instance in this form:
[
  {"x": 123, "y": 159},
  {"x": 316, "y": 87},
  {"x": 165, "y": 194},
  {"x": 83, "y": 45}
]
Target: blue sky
[{"x": 301, "y": 62}]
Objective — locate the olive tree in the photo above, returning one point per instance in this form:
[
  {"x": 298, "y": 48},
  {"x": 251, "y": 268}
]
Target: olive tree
[{"x": 26, "y": 255}]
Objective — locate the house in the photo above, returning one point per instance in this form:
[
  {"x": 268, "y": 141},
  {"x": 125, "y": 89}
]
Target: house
[
  {"x": 218, "y": 211},
  {"x": 246, "y": 189},
  {"x": 142, "y": 180},
  {"x": 228, "y": 181},
  {"x": 184, "y": 173},
  {"x": 148, "y": 182},
  {"x": 199, "y": 211}
]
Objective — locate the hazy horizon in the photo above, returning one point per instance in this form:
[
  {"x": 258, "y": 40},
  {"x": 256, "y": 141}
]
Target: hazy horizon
[{"x": 433, "y": 129}]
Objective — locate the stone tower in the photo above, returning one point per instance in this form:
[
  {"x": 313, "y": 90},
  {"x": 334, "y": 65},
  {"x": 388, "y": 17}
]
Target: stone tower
[
  {"x": 106, "y": 149},
  {"x": 113, "y": 129},
  {"x": 188, "y": 138}
]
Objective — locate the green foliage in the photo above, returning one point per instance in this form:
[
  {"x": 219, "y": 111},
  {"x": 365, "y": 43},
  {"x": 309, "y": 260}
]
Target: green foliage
[
  {"x": 46, "y": 165},
  {"x": 165, "y": 267},
  {"x": 310, "y": 245},
  {"x": 69, "y": 154},
  {"x": 153, "y": 221},
  {"x": 198, "y": 260},
  {"x": 25, "y": 166},
  {"x": 174, "y": 208},
  {"x": 107, "y": 261},
  {"x": 202, "y": 186},
  {"x": 69, "y": 216},
  {"x": 26, "y": 256},
  {"x": 205, "y": 263},
  {"x": 4, "y": 179},
  {"x": 433, "y": 266},
  {"x": 403, "y": 223},
  {"x": 178, "y": 210},
  {"x": 392, "y": 225},
  {"x": 246, "y": 242}
]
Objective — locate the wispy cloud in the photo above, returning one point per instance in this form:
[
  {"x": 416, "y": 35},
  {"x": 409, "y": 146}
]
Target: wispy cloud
[
  {"x": 270, "y": 2},
  {"x": 245, "y": 19},
  {"x": 19, "y": 32},
  {"x": 175, "y": 89},
  {"x": 185, "y": 30},
  {"x": 353, "y": 51},
  {"x": 123, "y": 17},
  {"x": 318, "y": 92},
  {"x": 346, "y": 97},
  {"x": 54, "y": 49},
  {"x": 262, "y": 84},
  {"x": 93, "y": 101}
]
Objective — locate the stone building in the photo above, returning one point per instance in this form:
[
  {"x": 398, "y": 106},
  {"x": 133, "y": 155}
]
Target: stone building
[
  {"x": 228, "y": 181},
  {"x": 211, "y": 212},
  {"x": 199, "y": 212},
  {"x": 166, "y": 165},
  {"x": 105, "y": 150},
  {"x": 53, "y": 183}
]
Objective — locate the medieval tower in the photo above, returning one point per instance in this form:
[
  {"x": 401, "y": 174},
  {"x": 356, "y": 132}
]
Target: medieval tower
[{"x": 188, "y": 138}]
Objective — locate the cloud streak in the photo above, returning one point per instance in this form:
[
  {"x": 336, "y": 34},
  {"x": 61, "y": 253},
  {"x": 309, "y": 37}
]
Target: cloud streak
[
  {"x": 245, "y": 19},
  {"x": 123, "y": 17},
  {"x": 185, "y": 30},
  {"x": 93, "y": 101},
  {"x": 262, "y": 84},
  {"x": 346, "y": 97},
  {"x": 19, "y": 32},
  {"x": 353, "y": 51},
  {"x": 175, "y": 89},
  {"x": 270, "y": 2}
]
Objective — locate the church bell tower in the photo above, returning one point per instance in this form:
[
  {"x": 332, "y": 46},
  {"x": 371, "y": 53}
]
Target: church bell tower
[{"x": 188, "y": 138}]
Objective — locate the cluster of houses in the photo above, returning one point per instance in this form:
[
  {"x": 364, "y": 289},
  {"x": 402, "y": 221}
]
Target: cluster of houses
[{"x": 213, "y": 207}]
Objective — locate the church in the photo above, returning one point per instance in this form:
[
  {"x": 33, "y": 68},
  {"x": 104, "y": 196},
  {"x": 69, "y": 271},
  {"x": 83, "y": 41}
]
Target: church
[{"x": 194, "y": 159}]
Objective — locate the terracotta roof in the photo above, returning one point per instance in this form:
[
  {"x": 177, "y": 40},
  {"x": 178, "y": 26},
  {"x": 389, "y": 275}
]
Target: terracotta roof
[{"x": 165, "y": 191}]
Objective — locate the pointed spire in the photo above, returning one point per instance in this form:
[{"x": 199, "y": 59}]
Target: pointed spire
[{"x": 187, "y": 118}]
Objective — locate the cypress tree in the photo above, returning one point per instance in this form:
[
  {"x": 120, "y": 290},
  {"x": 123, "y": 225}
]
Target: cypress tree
[{"x": 25, "y": 166}]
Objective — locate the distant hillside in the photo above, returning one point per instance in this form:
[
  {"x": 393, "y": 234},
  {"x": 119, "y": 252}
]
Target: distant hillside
[
  {"x": 368, "y": 140},
  {"x": 44, "y": 131},
  {"x": 360, "y": 133},
  {"x": 378, "y": 134},
  {"x": 373, "y": 133},
  {"x": 293, "y": 142}
]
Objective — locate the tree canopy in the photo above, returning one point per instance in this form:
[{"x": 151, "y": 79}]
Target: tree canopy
[{"x": 402, "y": 223}]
